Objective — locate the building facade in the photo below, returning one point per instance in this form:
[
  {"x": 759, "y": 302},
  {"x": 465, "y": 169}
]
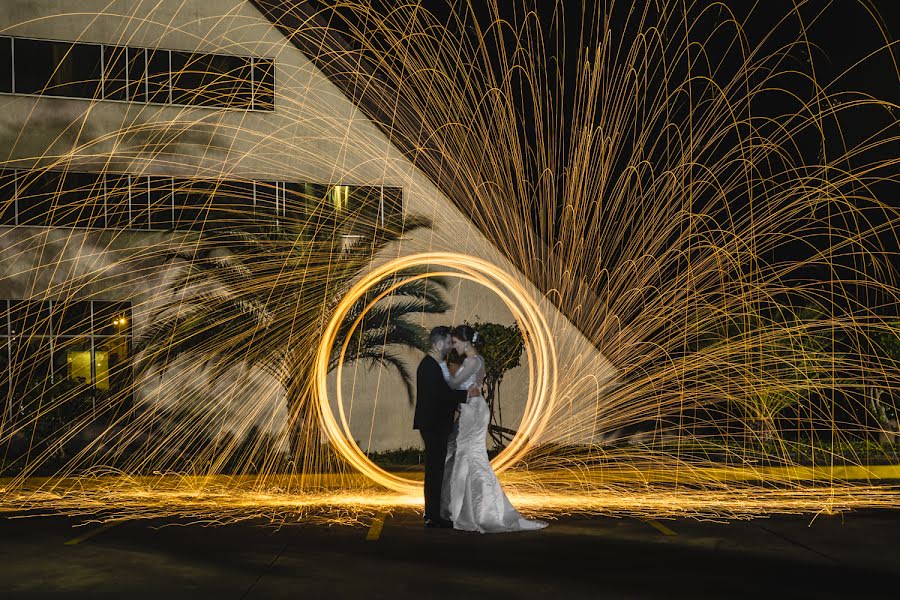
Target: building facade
[{"x": 129, "y": 127}]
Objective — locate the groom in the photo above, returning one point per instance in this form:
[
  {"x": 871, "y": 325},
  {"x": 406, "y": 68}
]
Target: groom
[{"x": 435, "y": 405}]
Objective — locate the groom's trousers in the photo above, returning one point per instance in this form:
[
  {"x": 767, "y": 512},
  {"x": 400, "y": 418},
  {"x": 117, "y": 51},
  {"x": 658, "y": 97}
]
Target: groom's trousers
[{"x": 435, "y": 457}]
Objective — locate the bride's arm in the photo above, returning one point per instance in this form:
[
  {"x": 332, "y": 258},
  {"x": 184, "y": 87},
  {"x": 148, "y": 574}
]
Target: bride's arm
[{"x": 464, "y": 372}]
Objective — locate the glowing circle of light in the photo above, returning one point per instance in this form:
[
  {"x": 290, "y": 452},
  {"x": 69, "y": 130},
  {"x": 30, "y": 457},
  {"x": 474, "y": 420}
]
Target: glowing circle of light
[{"x": 540, "y": 350}]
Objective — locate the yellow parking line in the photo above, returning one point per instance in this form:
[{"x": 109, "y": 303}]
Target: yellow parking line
[
  {"x": 659, "y": 527},
  {"x": 92, "y": 533},
  {"x": 376, "y": 526}
]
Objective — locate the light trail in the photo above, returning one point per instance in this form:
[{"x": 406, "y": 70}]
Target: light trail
[
  {"x": 715, "y": 218},
  {"x": 541, "y": 358}
]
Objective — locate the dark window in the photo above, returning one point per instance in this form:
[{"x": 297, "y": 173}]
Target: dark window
[
  {"x": 29, "y": 318},
  {"x": 192, "y": 200},
  {"x": 264, "y": 80},
  {"x": 267, "y": 194},
  {"x": 69, "y": 69},
  {"x": 7, "y": 197},
  {"x": 61, "y": 199},
  {"x": 139, "y": 202},
  {"x": 79, "y": 202},
  {"x": 4, "y": 317},
  {"x": 391, "y": 210},
  {"x": 117, "y": 200},
  {"x": 232, "y": 206},
  {"x": 115, "y": 76},
  {"x": 296, "y": 204},
  {"x": 137, "y": 74},
  {"x": 4, "y": 381},
  {"x": 35, "y": 198},
  {"x": 158, "y": 76},
  {"x": 30, "y": 360},
  {"x": 57, "y": 68},
  {"x": 5, "y": 64},
  {"x": 112, "y": 318},
  {"x": 91, "y": 200},
  {"x": 306, "y": 208},
  {"x": 211, "y": 80},
  {"x": 161, "y": 210},
  {"x": 72, "y": 318},
  {"x": 358, "y": 215}
]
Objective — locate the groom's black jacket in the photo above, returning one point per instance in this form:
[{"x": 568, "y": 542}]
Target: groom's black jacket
[{"x": 435, "y": 400}]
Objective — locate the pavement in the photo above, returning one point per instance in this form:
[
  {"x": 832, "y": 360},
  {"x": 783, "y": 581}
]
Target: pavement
[{"x": 848, "y": 555}]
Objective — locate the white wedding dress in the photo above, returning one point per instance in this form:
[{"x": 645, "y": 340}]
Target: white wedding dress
[{"x": 471, "y": 496}]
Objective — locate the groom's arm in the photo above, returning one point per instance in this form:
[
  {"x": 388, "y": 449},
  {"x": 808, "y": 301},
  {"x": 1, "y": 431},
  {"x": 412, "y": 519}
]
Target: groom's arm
[{"x": 447, "y": 394}]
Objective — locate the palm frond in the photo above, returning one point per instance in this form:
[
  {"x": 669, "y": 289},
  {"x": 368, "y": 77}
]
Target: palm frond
[
  {"x": 272, "y": 293},
  {"x": 378, "y": 355}
]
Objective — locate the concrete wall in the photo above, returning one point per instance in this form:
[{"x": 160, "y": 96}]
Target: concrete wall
[{"x": 314, "y": 134}]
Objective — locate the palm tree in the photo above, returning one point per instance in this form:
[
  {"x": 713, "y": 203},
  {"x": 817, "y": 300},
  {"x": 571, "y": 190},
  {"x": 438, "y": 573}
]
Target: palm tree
[
  {"x": 784, "y": 356},
  {"x": 263, "y": 298}
]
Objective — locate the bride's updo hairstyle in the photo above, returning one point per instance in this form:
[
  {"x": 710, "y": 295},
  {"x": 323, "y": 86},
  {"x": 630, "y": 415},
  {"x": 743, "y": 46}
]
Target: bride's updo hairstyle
[{"x": 468, "y": 334}]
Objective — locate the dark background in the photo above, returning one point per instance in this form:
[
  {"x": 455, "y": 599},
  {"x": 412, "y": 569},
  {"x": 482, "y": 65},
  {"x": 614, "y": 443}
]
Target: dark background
[{"x": 840, "y": 45}]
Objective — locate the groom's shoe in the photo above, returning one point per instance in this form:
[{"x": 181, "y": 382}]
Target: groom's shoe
[{"x": 438, "y": 524}]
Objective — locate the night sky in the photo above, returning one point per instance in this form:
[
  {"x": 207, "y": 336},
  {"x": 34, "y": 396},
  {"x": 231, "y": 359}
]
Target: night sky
[{"x": 840, "y": 34}]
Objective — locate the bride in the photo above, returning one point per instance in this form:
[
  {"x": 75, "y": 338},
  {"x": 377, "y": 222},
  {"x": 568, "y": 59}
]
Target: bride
[{"x": 471, "y": 496}]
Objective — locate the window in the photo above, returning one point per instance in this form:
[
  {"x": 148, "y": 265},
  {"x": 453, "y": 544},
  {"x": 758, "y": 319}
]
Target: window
[
  {"x": 231, "y": 205},
  {"x": 30, "y": 366},
  {"x": 266, "y": 204},
  {"x": 88, "y": 345},
  {"x": 137, "y": 74},
  {"x": 391, "y": 209},
  {"x": 192, "y": 201},
  {"x": 158, "y": 82},
  {"x": 111, "y": 343},
  {"x": 112, "y": 319},
  {"x": 79, "y": 201},
  {"x": 123, "y": 201},
  {"x": 359, "y": 214},
  {"x": 111, "y": 365},
  {"x": 139, "y": 202},
  {"x": 29, "y": 346},
  {"x": 310, "y": 207},
  {"x": 35, "y": 197},
  {"x": 264, "y": 80},
  {"x": 61, "y": 199},
  {"x": 302, "y": 205},
  {"x": 115, "y": 73},
  {"x": 118, "y": 198},
  {"x": 6, "y": 70},
  {"x": 211, "y": 80},
  {"x": 124, "y": 73},
  {"x": 7, "y": 197},
  {"x": 72, "y": 361},
  {"x": 29, "y": 318},
  {"x": 56, "y": 68},
  {"x": 72, "y": 318},
  {"x": 162, "y": 214},
  {"x": 5, "y": 379}
]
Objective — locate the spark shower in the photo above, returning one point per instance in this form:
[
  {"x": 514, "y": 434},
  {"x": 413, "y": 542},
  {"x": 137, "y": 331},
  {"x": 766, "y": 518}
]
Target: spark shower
[{"x": 679, "y": 180}]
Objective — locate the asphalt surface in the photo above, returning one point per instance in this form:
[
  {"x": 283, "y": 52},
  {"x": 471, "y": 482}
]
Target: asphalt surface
[{"x": 850, "y": 555}]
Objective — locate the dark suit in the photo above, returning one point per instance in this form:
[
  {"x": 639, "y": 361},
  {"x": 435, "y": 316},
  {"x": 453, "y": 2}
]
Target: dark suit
[{"x": 435, "y": 404}]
